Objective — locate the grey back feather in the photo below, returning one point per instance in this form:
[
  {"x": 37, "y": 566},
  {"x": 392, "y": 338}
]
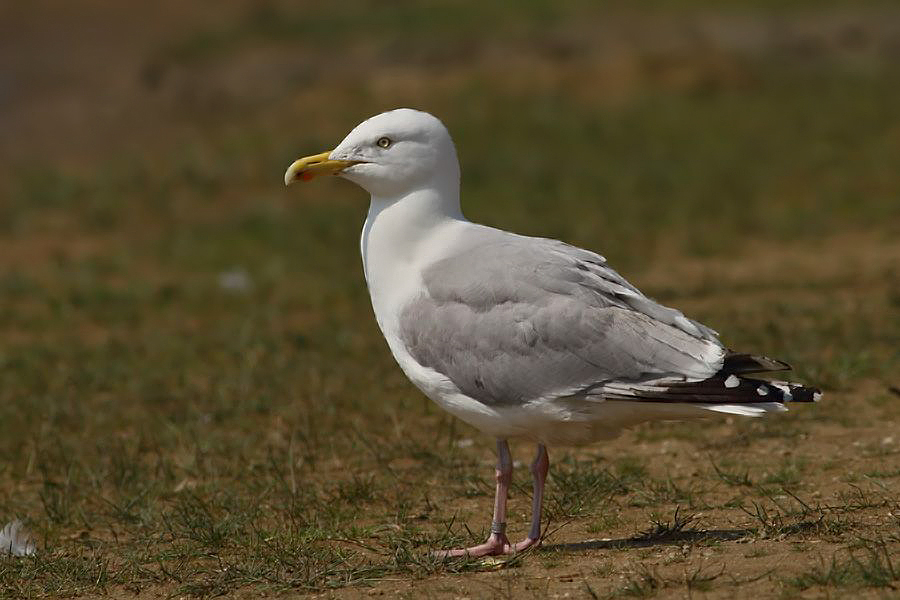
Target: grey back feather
[{"x": 511, "y": 319}]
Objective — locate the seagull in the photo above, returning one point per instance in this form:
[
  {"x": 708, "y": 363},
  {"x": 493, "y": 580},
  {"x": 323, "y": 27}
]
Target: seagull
[{"x": 522, "y": 337}]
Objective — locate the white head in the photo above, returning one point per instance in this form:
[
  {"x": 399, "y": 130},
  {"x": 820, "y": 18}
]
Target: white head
[{"x": 389, "y": 155}]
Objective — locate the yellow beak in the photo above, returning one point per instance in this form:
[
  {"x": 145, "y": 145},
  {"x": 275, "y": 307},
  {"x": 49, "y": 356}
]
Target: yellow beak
[{"x": 311, "y": 166}]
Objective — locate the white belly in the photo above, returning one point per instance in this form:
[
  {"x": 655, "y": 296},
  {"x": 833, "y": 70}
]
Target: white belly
[{"x": 550, "y": 422}]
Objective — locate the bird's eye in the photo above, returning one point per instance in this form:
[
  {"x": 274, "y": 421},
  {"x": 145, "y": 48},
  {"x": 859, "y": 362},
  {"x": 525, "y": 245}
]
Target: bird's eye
[{"x": 384, "y": 142}]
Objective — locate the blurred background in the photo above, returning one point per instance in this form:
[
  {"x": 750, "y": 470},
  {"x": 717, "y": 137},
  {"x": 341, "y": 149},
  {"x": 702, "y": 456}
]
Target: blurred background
[{"x": 172, "y": 317}]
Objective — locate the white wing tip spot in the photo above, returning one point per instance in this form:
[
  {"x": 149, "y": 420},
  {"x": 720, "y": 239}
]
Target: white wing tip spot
[
  {"x": 785, "y": 390},
  {"x": 817, "y": 396},
  {"x": 761, "y": 390},
  {"x": 732, "y": 381}
]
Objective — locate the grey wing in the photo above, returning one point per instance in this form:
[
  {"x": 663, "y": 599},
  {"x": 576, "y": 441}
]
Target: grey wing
[{"x": 518, "y": 319}]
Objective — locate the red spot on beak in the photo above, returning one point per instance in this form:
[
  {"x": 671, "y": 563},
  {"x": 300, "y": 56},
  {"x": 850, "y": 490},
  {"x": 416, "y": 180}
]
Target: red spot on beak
[{"x": 306, "y": 176}]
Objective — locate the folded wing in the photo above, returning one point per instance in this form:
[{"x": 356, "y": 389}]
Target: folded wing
[{"x": 516, "y": 319}]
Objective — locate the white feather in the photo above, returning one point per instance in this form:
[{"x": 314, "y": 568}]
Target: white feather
[
  {"x": 757, "y": 409},
  {"x": 15, "y": 540}
]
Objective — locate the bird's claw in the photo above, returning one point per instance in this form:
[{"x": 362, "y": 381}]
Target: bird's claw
[{"x": 496, "y": 545}]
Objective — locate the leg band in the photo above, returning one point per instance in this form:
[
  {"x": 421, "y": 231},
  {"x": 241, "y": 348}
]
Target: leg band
[{"x": 498, "y": 528}]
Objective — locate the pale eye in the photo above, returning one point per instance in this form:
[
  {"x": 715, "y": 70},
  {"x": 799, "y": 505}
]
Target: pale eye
[{"x": 384, "y": 142}]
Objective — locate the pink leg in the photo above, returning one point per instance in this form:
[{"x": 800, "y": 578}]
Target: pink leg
[
  {"x": 539, "y": 469},
  {"x": 497, "y": 543}
]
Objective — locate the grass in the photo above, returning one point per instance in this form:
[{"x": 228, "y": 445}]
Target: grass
[
  {"x": 663, "y": 530},
  {"x": 166, "y": 432},
  {"x": 869, "y": 564}
]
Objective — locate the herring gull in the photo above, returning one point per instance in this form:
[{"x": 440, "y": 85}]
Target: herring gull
[{"x": 522, "y": 337}]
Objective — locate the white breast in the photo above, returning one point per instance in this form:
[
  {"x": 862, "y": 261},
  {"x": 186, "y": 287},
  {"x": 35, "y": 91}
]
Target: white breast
[{"x": 398, "y": 241}]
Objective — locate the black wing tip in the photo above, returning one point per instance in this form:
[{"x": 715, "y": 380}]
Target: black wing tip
[
  {"x": 742, "y": 362},
  {"x": 786, "y": 392},
  {"x": 719, "y": 389},
  {"x": 810, "y": 395},
  {"x": 737, "y": 364}
]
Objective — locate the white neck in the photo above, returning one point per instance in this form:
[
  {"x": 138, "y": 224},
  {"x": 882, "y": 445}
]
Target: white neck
[
  {"x": 396, "y": 226},
  {"x": 400, "y": 235}
]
